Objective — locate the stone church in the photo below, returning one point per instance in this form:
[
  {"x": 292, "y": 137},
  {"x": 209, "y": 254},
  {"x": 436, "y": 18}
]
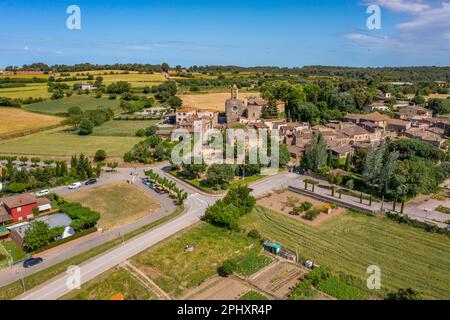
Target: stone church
[{"x": 234, "y": 107}]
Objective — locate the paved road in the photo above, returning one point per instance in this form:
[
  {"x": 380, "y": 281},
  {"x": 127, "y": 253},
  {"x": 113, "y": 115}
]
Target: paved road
[{"x": 196, "y": 205}]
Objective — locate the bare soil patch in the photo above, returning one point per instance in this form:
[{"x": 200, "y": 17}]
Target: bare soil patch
[
  {"x": 285, "y": 202},
  {"x": 217, "y": 288},
  {"x": 279, "y": 278}
]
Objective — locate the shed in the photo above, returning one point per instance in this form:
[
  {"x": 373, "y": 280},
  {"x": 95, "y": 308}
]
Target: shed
[{"x": 272, "y": 247}]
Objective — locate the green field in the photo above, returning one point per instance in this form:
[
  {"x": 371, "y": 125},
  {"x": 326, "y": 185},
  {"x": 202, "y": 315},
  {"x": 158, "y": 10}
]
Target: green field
[
  {"x": 35, "y": 90},
  {"x": 407, "y": 256},
  {"x": 85, "y": 102},
  {"x": 122, "y": 128},
  {"x": 182, "y": 270},
  {"x": 57, "y": 142},
  {"x": 112, "y": 282}
]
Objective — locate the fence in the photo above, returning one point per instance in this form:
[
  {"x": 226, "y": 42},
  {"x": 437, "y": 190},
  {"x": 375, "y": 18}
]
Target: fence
[{"x": 333, "y": 200}]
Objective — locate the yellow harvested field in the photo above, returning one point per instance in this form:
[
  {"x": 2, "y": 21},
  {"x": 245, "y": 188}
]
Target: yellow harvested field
[
  {"x": 214, "y": 101},
  {"x": 16, "y": 121}
]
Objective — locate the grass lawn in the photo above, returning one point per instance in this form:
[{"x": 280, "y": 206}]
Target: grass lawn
[
  {"x": 124, "y": 128},
  {"x": 14, "y": 289},
  {"x": 57, "y": 142},
  {"x": 253, "y": 296},
  {"x": 112, "y": 282},
  {"x": 85, "y": 102},
  {"x": 407, "y": 256},
  {"x": 15, "y": 250},
  {"x": 181, "y": 270},
  {"x": 17, "y": 121},
  {"x": 118, "y": 203}
]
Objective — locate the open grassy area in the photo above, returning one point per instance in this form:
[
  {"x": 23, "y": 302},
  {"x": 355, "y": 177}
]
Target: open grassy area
[
  {"x": 136, "y": 79},
  {"x": 14, "y": 289},
  {"x": 179, "y": 270},
  {"x": 85, "y": 102},
  {"x": 124, "y": 128},
  {"x": 17, "y": 121},
  {"x": 14, "y": 249},
  {"x": 118, "y": 203},
  {"x": 34, "y": 90},
  {"x": 407, "y": 256},
  {"x": 57, "y": 142},
  {"x": 112, "y": 282}
]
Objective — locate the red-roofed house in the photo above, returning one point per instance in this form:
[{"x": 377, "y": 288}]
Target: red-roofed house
[{"x": 21, "y": 207}]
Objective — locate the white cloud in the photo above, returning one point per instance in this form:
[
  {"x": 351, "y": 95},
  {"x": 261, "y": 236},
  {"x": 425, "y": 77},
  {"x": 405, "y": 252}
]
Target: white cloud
[
  {"x": 403, "y": 6},
  {"x": 426, "y": 28}
]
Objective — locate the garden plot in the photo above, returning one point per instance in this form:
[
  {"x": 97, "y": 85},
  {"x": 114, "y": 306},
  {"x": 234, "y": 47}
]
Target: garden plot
[
  {"x": 278, "y": 278},
  {"x": 285, "y": 202}
]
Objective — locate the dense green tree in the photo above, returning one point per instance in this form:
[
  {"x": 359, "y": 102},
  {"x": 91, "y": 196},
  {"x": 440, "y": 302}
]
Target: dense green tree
[
  {"x": 36, "y": 236},
  {"x": 315, "y": 153},
  {"x": 100, "y": 155},
  {"x": 220, "y": 173}
]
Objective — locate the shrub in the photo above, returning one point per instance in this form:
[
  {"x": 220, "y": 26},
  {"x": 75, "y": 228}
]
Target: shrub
[
  {"x": 313, "y": 213},
  {"x": 254, "y": 234},
  {"x": 306, "y": 206},
  {"x": 227, "y": 268},
  {"x": 100, "y": 155}
]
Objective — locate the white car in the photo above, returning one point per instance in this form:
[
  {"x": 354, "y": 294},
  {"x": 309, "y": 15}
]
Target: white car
[
  {"x": 75, "y": 185},
  {"x": 42, "y": 193}
]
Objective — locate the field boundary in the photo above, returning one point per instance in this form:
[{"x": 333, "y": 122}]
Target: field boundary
[
  {"x": 326, "y": 199},
  {"x": 7, "y": 136}
]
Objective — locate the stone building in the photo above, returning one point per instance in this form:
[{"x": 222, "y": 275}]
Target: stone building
[{"x": 234, "y": 107}]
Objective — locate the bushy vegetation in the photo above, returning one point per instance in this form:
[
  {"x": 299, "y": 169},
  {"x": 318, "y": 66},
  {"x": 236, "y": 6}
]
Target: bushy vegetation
[
  {"x": 225, "y": 213},
  {"x": 19, "y": 180}
]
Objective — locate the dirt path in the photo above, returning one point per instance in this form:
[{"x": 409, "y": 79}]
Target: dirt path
[{"x": 146, "y": 281}]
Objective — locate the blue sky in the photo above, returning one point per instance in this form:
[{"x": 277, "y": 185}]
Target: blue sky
[{"x": 245, "y": 32}]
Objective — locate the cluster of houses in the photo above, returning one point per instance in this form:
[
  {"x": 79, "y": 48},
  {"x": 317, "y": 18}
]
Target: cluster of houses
[
  {"x": 342, "y": 137},
  {"x": 18, "y": 212}
]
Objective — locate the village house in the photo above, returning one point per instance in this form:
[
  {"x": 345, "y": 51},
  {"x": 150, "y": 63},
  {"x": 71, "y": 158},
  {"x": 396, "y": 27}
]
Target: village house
[
  {"x": 413, "y": 113},
  {"x": 426, "y": 136},
  {"x": 398, "y": 125},
  {"x": 20, "y": 207},
  {"x": 85, "y": 86},
  {"x": 375, "y": 117}
]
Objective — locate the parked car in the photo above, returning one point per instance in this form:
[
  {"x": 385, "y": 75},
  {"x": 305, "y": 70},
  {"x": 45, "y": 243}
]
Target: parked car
[
  {"x": 75, "y": 185},
  {"x": 160, "y": 189},
  {"x": 90, "y": 181},
  {"x": 32, "y": 262},
  {"x": 42, "y": 193}
]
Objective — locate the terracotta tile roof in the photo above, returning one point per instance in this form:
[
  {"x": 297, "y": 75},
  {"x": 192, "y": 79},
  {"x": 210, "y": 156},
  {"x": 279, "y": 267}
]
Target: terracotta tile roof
[{"x": 19, "y": 200}]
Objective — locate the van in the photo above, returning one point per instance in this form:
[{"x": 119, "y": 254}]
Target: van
[{"x": 42, "y": 193}]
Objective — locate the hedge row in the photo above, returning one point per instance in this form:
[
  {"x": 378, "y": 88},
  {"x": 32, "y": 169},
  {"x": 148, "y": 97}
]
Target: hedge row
[{"x": 62, "y": 241}]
